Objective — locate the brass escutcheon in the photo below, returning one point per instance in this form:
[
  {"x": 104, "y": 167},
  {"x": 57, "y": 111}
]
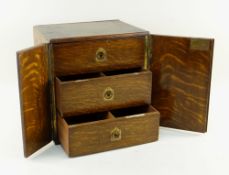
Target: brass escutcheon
[
  {"x": 101, "y": 55},
  {"x": 108, "y": 94},
  {"x": 116, "y": 134}
]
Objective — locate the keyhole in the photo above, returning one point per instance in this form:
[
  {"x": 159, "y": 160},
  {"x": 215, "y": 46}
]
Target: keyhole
[
  {"x": 108, "y": 94},
  {"x": 116, "y": 135},
  {"x": 100, "y": 55}
]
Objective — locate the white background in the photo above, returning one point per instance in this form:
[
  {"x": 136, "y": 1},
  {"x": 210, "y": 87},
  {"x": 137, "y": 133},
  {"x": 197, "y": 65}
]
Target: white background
[{"x": 176, "y": 152}]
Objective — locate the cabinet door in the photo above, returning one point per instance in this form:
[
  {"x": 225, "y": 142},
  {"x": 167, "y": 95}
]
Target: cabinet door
[
  {"x": 34, "y": 97},
  {"x": 181, "y": 75}
]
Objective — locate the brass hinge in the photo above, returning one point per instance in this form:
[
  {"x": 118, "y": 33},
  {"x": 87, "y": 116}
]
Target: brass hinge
[{"x": 147, "y": 52}]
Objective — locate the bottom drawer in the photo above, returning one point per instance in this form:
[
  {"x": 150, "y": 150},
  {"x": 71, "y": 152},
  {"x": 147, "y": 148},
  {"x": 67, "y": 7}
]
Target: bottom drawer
[{"x": 104, "y": 131}]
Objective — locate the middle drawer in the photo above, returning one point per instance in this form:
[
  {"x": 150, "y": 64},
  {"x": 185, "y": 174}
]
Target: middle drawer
[{"x": 91, "y": 93}]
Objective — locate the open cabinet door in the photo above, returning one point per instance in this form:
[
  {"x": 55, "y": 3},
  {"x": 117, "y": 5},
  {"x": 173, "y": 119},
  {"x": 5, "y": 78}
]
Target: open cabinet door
[
  {"x": 181, "y": 71},
  {"x": 34, "y": 97}
]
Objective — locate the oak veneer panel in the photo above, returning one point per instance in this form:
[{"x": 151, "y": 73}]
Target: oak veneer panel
[
  {"x": 93, "y": 137},
  {"x": 70, "y": 31},
  {"x": 181, "y": 71},
  {"x": 87, "y": 95},
  {"x": 80, "y": 57},
  {"x": 34, "y": 94}
]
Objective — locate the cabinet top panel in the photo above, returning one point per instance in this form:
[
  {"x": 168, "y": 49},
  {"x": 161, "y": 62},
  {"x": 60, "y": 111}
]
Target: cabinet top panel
[{"x": 71, "y": 31}]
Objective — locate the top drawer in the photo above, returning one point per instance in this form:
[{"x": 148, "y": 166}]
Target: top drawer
[{"x": 98, "y": 55}]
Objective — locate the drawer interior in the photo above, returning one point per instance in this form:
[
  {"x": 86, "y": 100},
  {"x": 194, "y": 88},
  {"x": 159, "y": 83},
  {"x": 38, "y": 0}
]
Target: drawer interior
[
  {"x": 139, "y": 111},
  {"x": 123, "y": 71},
  {"x": 87, "y": 118},
  {"x": 80, "y": 77},
  {"x": 133, "y": 111}
]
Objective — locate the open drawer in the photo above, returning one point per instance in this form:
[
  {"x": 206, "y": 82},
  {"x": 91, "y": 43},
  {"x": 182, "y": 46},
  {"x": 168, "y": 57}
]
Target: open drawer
[
  {"x": 90, "y": 93},
  {"x": 104, "y": 131},
  {"x": 94, "y": 55}
]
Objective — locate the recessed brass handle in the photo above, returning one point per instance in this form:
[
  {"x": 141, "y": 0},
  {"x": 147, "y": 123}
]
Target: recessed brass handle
[
  {"x": 108, "y": 94},
  {"x": 116, "y": 134},
  {"x": 101, "y": 55}
]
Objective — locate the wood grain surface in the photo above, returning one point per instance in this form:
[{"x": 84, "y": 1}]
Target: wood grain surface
[
  {"x": 56, "y": 33},
  {"x": 87, "y": 95},
  {"x": 35, "y": 109},
  {"x": 80, "y": 57},
  {"x": 181, "y": 71},
  {"x": 93, "y": 137}
]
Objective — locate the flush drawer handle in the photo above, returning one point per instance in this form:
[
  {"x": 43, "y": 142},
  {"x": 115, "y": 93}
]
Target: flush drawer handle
[
  {"x": 116, "y": 134},
  {"x": 101, "y": 55},
  {"x": 108, "y": 94}
]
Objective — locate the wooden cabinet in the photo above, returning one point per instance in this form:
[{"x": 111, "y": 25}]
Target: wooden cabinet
[{"x": 97, "y": 86}]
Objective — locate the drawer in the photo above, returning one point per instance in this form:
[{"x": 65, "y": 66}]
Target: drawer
[
  {"x": 89, "y": 93},
  {"x": 98, "y": 55},
  {"x": 109, "y": 130}
]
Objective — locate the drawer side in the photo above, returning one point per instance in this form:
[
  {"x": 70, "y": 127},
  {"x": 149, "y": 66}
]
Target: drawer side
[{"x": 63, "y": 134}]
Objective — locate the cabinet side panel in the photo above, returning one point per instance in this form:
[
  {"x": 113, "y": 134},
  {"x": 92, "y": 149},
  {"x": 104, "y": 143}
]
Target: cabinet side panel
[
  {"x": 34, "y": 98},
  {"x": 181, "y": 70}
]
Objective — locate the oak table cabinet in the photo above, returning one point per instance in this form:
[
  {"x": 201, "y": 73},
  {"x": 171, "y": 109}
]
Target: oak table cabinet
[{"x": 97, "y": 86}]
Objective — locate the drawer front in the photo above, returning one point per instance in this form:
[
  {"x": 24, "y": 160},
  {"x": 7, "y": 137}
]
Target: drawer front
[
  {"x": 98, "y": 55},
  {"x": 109, "y": 134},
  {"x": 104, "y": 93}
]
